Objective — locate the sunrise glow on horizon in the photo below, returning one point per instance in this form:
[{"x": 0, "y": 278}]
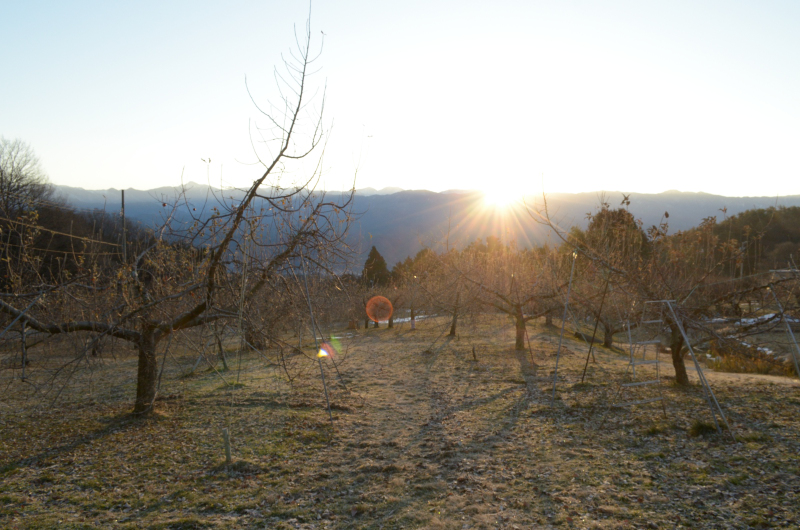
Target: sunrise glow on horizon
[{"x": 504, "y": 99}]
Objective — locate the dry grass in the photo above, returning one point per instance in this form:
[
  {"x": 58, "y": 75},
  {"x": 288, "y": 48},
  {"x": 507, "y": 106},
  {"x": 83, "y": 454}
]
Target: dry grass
[
  {"x": 740, "y": 357},
  {"x": 420, "y": 440}
]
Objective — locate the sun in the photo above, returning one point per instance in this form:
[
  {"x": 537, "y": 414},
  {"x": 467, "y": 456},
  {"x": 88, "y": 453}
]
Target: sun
[{"x": 499, "y": 198}]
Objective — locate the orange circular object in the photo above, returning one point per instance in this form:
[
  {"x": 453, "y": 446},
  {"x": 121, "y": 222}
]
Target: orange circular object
[{"x": 379, "y": 308}]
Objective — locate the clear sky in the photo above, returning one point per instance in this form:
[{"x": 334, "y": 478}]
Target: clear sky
[{"x": 563, "y": 95}]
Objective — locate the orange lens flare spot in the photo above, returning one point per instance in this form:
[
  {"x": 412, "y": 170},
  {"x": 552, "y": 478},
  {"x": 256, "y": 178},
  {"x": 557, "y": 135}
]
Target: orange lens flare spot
[
  {"x": 379, "y": 308},
  {"x": 326, "y": 350}
]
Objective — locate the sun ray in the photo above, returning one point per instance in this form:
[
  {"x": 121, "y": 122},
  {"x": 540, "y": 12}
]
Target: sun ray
[{"x": 499, "y": 198}]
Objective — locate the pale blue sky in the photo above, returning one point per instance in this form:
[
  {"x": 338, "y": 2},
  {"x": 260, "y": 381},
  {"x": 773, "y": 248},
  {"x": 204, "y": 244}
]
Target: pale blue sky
[{"x": 569, "y": 95}]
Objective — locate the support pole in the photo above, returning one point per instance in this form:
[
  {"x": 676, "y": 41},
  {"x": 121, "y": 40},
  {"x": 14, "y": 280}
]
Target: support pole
[
  {"x": 226, "y": 440},
  {"x": 413, "y": 299},
  {"x": 22, "y": 314},
  {"x": 242, "y": 300},
  {"x": 795, "y": 350},
  {"x": 124, "y": 232},
  {"x": 594, "y": 333},
  {"x": 564, "y": 321},
  {"x": 703, "y": 381},
  {"x": 316, "y": 344},
  {"x": 24, "y": 347}
]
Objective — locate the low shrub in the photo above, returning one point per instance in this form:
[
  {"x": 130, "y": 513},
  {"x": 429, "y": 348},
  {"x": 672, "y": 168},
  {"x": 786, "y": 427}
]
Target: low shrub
[
  {"x": 738, "y": 357},
  {"x": 701, "y": 428}
]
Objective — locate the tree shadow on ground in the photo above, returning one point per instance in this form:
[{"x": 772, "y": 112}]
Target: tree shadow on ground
[{"x": 114, "y": 424}]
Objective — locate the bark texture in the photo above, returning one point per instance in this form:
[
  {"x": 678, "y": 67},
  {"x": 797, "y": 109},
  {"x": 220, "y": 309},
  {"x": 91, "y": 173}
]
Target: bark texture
[
  {"x": 676, "y": 344},
  {"x": 519, "y": 319},
  {"x": 147, "y": 374}
]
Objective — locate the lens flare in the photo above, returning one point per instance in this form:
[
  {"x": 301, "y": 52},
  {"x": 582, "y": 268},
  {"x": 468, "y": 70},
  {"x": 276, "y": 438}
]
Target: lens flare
[
  {"x": 326, "y": 349},
  {"x": 379, "y": 308}
]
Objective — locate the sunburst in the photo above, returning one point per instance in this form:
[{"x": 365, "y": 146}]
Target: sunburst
[{"x": 499, "y": 198}]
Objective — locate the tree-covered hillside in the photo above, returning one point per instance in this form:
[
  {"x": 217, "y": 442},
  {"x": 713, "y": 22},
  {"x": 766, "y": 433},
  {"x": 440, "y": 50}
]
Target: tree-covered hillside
[{"x": 771, "y": 236}]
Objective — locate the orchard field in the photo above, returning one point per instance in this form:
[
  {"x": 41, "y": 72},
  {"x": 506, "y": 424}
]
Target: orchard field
[{"x": 428, "y": 431}]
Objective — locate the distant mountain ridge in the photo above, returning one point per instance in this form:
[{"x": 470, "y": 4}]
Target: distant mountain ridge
[
  {"x": 400, "y": 223},
  {"x": 383, "y": 191}
]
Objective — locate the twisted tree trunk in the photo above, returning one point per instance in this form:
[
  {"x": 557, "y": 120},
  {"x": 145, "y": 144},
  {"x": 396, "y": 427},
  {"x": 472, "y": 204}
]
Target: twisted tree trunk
[
  {"x": 454, "y": 323},
  {"x": 519, "y": 321},
  {"x": 676, "y": 344},
  {"x": 608, "y": 335},
  {"x": 148, "y": 373}
]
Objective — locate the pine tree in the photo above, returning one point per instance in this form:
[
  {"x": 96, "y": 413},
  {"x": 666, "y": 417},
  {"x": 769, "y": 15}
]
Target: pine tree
[{"x": 375, "y": 270}]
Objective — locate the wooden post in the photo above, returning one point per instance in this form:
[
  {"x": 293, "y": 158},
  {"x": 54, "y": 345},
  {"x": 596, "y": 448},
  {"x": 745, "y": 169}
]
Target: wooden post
[
  {"x": 316, "y": 344},
  {"x": 226, "y": 439},
  {"x": 24, "y": 348},
  {"x": 564, "y": 321},
  {"x": 124, "y": 234},
  {"x": 413, "y": 298}
]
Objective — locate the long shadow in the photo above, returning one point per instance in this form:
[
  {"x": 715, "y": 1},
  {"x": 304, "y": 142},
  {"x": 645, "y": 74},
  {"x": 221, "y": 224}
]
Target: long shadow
[
  {"x": 447, "y": 455},
  {"x": 114, "y": 424},
  {"x": 433, "y": 442},
  {"x": 435, "y": 424}
]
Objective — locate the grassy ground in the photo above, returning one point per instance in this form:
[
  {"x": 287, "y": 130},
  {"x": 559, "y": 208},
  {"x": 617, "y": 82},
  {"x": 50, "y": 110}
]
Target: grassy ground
[{"x": 423, "y": 436}]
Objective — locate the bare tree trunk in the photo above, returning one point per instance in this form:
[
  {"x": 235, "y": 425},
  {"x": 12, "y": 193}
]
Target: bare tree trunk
[
  {"x": 455, "y": 316},
  {"x": 395, "y": 304},
  {"x": 608, "y": 335},
  {"x": 519, "y": 319},
  {"x": 148, "y": 374},
  {"x": 221, "y": 349},
  {"x": 253, "y": 338},
  {"x": 737, "y": 309},
  {"x": 676, "y": 344},
  {"x": 548, "y": 319}
]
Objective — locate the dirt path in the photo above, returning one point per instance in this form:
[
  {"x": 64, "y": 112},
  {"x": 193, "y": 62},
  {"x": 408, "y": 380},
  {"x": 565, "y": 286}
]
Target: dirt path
[{"x": 728, "y": 377}]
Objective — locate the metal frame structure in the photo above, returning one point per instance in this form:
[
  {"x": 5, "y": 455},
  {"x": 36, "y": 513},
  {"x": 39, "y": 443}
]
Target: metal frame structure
[
  {"x": 789, "y": 332},
  {"x": 635, "y": 348},
  {"x": 711, "y": 399}
]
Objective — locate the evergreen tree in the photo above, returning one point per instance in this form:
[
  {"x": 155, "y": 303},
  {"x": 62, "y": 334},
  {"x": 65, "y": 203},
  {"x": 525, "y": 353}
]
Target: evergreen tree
[{"x": 375, "y": 270}]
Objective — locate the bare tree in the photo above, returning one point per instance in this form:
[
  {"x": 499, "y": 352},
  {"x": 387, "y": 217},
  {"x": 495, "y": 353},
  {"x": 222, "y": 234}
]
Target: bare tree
[
  {"x": 513, "y": 282},
  {"x": 23, "y": 183},
  {"x": 208, "y": 270},
  {"x": 674, "y": 267}
]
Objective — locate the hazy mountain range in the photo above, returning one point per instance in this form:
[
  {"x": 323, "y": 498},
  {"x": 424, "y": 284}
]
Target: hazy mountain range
[{"x": 401, "y": 222}]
